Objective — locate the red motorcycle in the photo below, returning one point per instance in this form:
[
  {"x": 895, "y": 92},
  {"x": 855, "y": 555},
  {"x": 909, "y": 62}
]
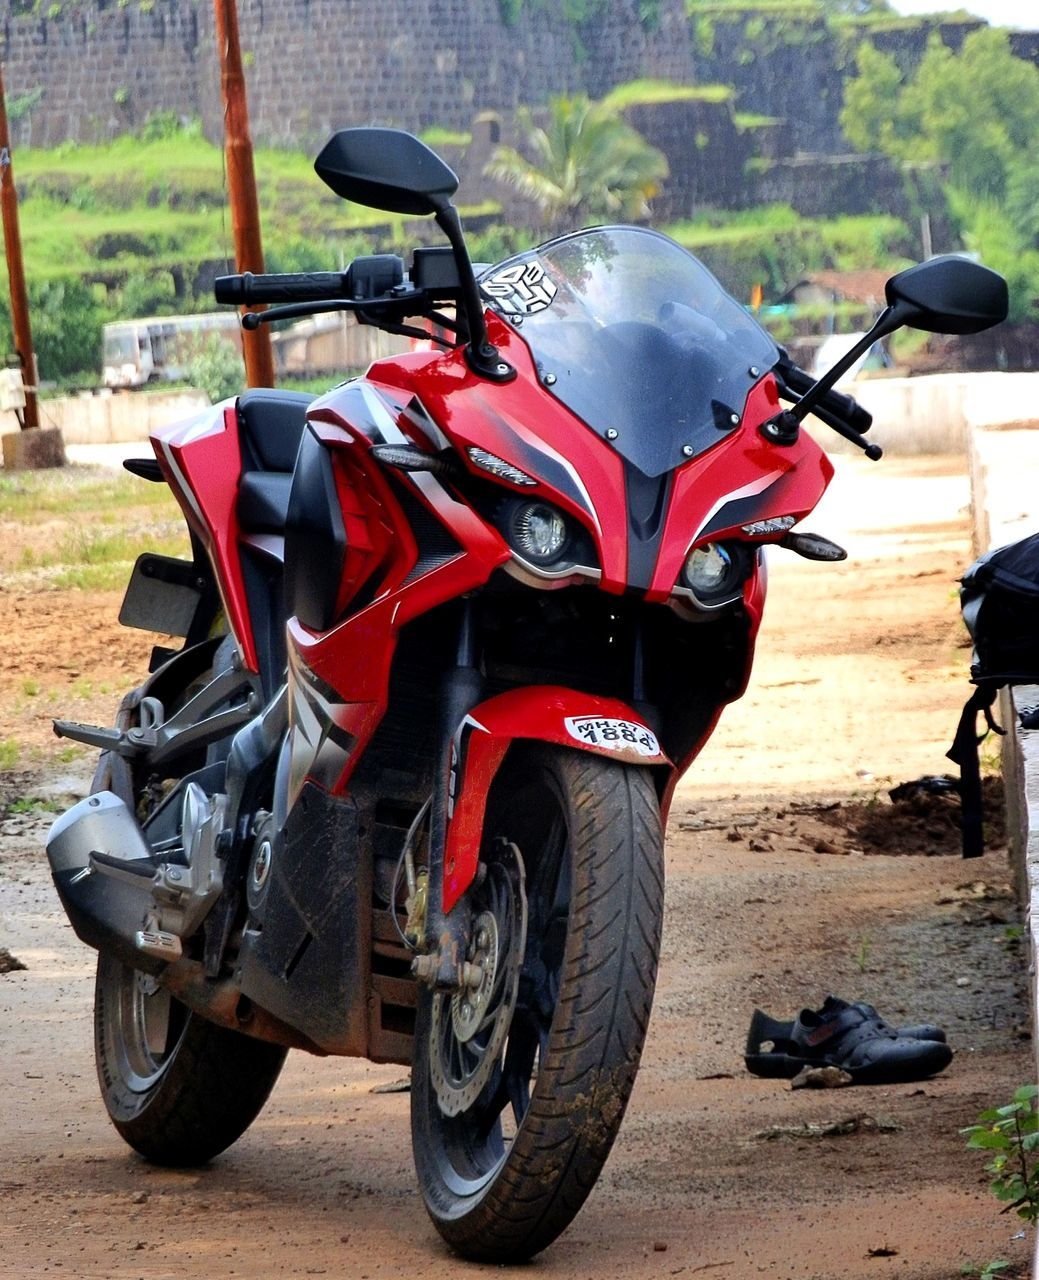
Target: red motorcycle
[{"x": 452, "y": 633}]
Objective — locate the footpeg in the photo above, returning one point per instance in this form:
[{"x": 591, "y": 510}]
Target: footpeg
[
  {"x": 127, "y": 743},
  {"x": 130, "y": 743},
  {"x": 159, "y": 945}
]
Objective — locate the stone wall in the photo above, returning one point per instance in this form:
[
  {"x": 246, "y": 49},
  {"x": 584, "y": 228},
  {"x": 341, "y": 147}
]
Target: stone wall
[
  {"x": 313, "y": 66},
  {"x": 100, "y": 70},
  {"x": 707, "y": 156},
  {"x": 816, "y": 185},
  {"x": 317, "y": 65},
  {"x": 794, "y": 67}
]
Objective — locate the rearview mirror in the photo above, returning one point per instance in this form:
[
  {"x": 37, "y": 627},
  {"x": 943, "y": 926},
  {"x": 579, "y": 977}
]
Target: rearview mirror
[
  {"x": 386, "y": 169},
  {"x": 948, "y": 295}
]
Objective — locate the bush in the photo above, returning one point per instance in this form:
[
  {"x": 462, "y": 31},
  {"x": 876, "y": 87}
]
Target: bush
[
  {"x": 1011, "y": 1134},
  {"x": 66, "y": 318},
  {"x": 217, "y": 369}
]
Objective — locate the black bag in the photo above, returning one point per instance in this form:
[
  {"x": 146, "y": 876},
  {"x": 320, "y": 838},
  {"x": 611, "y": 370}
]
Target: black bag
[{"x": 999, "y": 599}]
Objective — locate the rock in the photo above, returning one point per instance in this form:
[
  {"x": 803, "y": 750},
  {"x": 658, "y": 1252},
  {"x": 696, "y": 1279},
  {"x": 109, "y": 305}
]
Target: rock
[
  {"x": 33, "y": 449},
  {"x": 393, "y": 1086},
  {"x": 821, "y": 1078},
  {"x": 9, "y": 963}
]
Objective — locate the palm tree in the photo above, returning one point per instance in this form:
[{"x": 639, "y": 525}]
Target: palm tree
[{"x": 588, "y": 165}]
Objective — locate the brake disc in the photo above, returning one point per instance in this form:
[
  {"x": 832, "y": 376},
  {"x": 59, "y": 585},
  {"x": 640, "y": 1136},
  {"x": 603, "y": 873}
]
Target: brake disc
[{"x": 468, "y": 1028}]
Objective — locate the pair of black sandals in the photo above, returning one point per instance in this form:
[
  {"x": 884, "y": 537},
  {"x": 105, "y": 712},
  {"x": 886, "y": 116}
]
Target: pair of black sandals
[{"x": 851, "y": 1036}]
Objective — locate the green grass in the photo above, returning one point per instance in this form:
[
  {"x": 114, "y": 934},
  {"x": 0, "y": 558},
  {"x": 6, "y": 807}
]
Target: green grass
[
  {"x": 136, "y": 205},
  {"x": 92, "y": 527},
  {"x": 775, "y": 247},
  {"x": 437, "y": 136},
  {"x": 810, "y": 9},
  {"x": 748, "y": 120},
  {"x": 34, "y": 804},
  {"x": 639, "y": 93},
  {"x": 789, "y": 243},
  {"x": 92, "y": 559},
  {"x": 28, "y": 495},
  {"x": 10, "y": 751}
]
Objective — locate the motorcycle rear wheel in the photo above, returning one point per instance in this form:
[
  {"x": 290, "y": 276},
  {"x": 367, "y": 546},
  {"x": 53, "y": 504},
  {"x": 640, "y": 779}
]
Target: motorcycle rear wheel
[
  {"x": 505, "y": 1174},
  {"x": 178, "y": 1089}
]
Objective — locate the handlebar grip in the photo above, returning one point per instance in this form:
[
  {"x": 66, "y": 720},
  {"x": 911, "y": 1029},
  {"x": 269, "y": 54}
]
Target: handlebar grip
[
  {"x": 307, "y": 286},
  {"x": 849, "y": 409},
  {"x": 841, "y": 406}
]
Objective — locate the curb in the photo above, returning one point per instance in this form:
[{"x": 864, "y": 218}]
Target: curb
[{"x": 1004, "y": 475}]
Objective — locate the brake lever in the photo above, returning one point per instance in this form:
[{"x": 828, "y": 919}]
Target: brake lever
[
  {"x": 253, "y": 319},
  {"x": 783, "y": 428},
  {"x": 404, "y": 303}
]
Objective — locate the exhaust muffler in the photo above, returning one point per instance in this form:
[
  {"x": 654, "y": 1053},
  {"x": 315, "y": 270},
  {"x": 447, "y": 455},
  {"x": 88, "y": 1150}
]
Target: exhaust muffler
[{"x": 105, "y": 873}]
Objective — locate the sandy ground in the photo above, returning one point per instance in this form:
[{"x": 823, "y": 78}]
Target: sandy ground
[{"x": 775, "y": 897}]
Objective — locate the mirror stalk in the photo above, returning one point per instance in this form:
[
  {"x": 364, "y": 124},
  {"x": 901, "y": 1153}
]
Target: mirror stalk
[
  {"x": 482, "y": 355},
  {"x": 783, "y": 428},
  {"x": 890, "y": 319}
]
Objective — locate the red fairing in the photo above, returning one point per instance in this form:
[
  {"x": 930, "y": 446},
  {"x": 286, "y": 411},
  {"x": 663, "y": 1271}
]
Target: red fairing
[
  {"x": 547, "y": 713},
  {"x": 742, "y": 478},
  {"x": 523, "y": 423},
  {"x": 352, "y": 661},
  {"x": 712, "y": 493},
  {"x": 202, "y": 462}
]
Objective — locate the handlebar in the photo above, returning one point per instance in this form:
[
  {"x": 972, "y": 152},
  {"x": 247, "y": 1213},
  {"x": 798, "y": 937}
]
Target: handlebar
[
  {"x": 380, "y": 276},
  {"x": 844, "y": 408},
  {"x": 306, "y": 286}
]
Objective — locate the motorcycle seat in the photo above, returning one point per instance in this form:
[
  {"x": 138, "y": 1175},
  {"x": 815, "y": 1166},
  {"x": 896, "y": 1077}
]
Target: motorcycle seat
[
  {"x": 263, "y": 501},
  {"x": 271, "y": 425}
]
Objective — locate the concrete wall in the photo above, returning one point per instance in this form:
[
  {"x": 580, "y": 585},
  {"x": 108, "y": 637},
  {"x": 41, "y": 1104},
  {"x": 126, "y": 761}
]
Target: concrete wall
[
  {"x": 930, "y": 415},
  {"x": 1004, "y": 470},
  {"x": 112, "y": 419},
  {"x": 933, "y": 414}
]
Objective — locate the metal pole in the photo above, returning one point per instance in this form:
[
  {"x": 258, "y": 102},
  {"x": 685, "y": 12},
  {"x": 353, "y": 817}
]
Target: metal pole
[
  {"x": 241, "y": 183},
  {"x": 16, "y": 271}
]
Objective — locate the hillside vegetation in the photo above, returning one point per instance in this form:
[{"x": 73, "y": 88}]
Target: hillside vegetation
[{"x": 141, "y": 226}]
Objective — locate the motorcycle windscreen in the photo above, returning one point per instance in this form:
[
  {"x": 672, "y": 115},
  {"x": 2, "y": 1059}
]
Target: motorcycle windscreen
[{"x": 636, "y": 337}]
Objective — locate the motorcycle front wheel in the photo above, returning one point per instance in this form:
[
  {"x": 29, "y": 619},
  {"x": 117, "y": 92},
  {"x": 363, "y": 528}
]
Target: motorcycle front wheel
[{"x": 519, "y": 1086}]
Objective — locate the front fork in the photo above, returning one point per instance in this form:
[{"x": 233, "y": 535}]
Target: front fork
[{"x": 441, "y": 965}]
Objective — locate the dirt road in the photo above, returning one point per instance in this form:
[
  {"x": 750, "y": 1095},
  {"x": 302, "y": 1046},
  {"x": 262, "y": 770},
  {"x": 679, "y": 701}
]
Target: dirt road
[{"x": 774, "y": 898}]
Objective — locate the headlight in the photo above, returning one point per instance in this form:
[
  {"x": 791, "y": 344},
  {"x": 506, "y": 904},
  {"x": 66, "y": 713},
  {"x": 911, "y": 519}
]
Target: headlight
[
  {"x": 537, "y": 532},
  {"x": 713, "y": 571},
  {"x": 549, "y": 549}
]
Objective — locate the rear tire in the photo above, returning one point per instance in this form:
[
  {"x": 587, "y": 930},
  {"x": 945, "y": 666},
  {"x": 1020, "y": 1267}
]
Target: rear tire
[
  {"x": 178, "y": 1089},
  {"x": 589, "y": 835}
]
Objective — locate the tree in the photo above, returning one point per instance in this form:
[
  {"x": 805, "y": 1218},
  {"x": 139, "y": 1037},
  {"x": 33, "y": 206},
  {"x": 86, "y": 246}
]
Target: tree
[
  {"x": 587, "y": 165},
  {"x": 972, "y": 117},
  {"x": 872, "y": 116},
  {"x": 974, "y": 112},
  {"x": 217, "y": 369},
  {"x": 67, "y": 317}
]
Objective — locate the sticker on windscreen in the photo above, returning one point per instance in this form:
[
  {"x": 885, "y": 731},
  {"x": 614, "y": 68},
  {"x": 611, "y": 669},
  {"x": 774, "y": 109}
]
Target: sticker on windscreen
[
  {"x": 612, "y": 734},
  {"x": 522, "y": 290}
]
